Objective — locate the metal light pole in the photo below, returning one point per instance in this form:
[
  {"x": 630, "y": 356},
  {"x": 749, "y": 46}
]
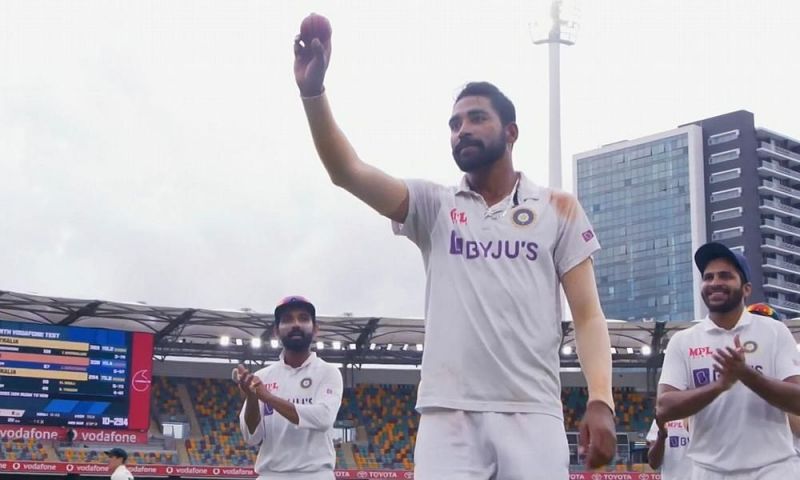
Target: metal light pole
[{"x": 562, "y": 32}]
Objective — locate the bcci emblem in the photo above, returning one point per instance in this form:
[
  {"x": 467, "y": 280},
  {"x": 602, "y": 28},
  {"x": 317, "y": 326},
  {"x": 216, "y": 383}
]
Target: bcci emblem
[
  {"x": 305, "y": 383},
  {"x": 749, "y": 346},
  {"x": 522, "y": 217}
]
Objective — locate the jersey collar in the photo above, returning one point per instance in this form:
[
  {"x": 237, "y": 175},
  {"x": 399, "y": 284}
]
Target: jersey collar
[
  {"x": 308, "y": 361},
  {"x": 744, "y": 320},
  {"x": 524, "y": 188}
]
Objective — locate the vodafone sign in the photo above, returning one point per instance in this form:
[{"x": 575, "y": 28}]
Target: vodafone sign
[
  {"x": 200, "y": 471},
  {"x": 88, "y": 435},
  {"x": 141, "y": 381}
]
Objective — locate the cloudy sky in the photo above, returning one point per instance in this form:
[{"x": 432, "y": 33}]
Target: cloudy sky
[{"x": 156, "y": 150}]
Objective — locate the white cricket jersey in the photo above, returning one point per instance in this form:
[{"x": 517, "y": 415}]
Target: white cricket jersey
[
  {"x": 492, "y": 300},
  {"x": 122, "y": 473},
  {"x": 315, "y": 389},
  {"x": 676, "y": 465},
  {"x": 738, "y": 430}
]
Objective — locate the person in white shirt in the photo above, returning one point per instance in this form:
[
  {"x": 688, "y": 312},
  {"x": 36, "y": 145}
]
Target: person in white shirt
[
  {"x": 737, "y": 375},
  {"x": 497, "y": 249},
  {"x": 667, "y": 445},
  {"x": 794, "y": 420},
  {"x": 116, "y": 463},
  {"x": 291, "y": 405}
]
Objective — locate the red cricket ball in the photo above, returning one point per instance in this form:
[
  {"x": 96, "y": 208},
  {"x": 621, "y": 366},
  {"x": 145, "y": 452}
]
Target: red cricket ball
[{"x": 315, "y": 26}]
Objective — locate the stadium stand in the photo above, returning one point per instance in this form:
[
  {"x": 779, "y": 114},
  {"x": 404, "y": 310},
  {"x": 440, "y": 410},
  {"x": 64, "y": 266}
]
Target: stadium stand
[
  {"x": 217, "y": 404},
  {"x": 383, "y": 437},
  {"x": 89, "y": 454},
  {"x": 22, "y": 449},
  {"x": 387, "y": 414},
  {"x": 165, "y": 400}
]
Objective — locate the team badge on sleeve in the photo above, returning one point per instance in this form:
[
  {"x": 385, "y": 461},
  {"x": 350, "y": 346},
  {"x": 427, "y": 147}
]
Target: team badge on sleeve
[{"x": 587, "y": 235}]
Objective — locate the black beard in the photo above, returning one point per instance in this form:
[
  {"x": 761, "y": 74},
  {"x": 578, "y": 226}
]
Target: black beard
[
  {"x": 488, "y": 154},
  {"x": 297, "y": 344},
  {"x": 734, "y": 301}
]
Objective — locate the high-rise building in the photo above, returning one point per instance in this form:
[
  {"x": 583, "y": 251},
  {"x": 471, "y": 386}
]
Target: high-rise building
[{"x": 655, "y": 200}]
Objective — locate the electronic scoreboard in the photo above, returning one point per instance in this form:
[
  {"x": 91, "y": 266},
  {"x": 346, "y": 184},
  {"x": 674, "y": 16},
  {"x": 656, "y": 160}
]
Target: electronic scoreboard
[{"x": 74, "y": 377}]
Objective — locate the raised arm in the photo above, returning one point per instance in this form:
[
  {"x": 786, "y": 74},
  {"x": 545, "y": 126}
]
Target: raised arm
[{"x": 384, "y": 193}]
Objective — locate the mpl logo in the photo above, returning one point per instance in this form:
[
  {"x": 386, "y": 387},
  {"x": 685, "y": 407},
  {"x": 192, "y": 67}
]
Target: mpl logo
[
  {"x": 141, "y": 381},
  {"x": 458, "y": 217},
  {"x": 700, "y": 352}
]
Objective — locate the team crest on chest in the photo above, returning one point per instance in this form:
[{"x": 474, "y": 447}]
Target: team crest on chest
[
  {"x": 523, "y": 216},
  {"x": 306, "y": 382},
  {"x": 749, "y": 346}
]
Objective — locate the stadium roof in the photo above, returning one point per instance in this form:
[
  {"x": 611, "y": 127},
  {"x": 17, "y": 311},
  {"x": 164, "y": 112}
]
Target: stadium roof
[{"x": 196, "y": 332}]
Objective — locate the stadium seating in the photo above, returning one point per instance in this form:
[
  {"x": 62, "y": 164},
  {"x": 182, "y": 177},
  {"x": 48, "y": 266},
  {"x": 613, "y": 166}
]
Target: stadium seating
[
  {"x": 387, "y": 413},
  {"x": 634, "y": 410},
  {"x": 216, "y": 404},
  {"x": 22, "y": 449},
  {"x": 384, "y": 417},
  {"x": 94, "y": 455},
  {"x": 165, "y": 398},
  {"x": 384, "y": 412}
]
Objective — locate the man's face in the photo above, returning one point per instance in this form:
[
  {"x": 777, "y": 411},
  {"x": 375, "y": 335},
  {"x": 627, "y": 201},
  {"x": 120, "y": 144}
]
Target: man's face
[
  {"x": 722, "y": 288},
  {"x": 114, "y": 462},
  {"x": 296, "y": 329},
  {"x": 477, "y": 136}
]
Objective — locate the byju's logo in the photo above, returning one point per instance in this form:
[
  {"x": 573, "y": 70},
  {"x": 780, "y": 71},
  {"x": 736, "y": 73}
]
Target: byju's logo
[
  {"x": 496, "y": 249},
  {"x": 701, "y": 376}
]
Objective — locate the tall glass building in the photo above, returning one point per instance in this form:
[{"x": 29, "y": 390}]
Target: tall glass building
[
  {"x": 645, "y": 199},
  {"x": 656, "y": 199}
]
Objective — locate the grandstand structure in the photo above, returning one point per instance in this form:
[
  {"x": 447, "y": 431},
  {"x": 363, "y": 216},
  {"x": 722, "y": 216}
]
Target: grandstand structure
[
  {"x": 344, "y": 339},
  {"x": 377, "y": 421}
]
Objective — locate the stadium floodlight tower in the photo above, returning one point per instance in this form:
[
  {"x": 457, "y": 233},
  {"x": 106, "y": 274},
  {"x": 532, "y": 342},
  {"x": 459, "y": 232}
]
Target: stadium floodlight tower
[{"x": 562, "y": 30}]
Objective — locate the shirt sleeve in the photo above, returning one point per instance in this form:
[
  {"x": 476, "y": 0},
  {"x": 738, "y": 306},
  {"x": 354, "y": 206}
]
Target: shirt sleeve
[
  {"x": 652, "y": 434},
  {"x": 321, "y": 414},
  {"x": 787, "y": 361},
  {"x": 424, "y": 202},
  {"x": 576, "y": 240},
  {"x": 258, "y": 436},
  {"x": 675, "y": 372}
]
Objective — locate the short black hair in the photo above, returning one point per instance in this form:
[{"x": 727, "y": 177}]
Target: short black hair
[{"x": 502, "y": 105}]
